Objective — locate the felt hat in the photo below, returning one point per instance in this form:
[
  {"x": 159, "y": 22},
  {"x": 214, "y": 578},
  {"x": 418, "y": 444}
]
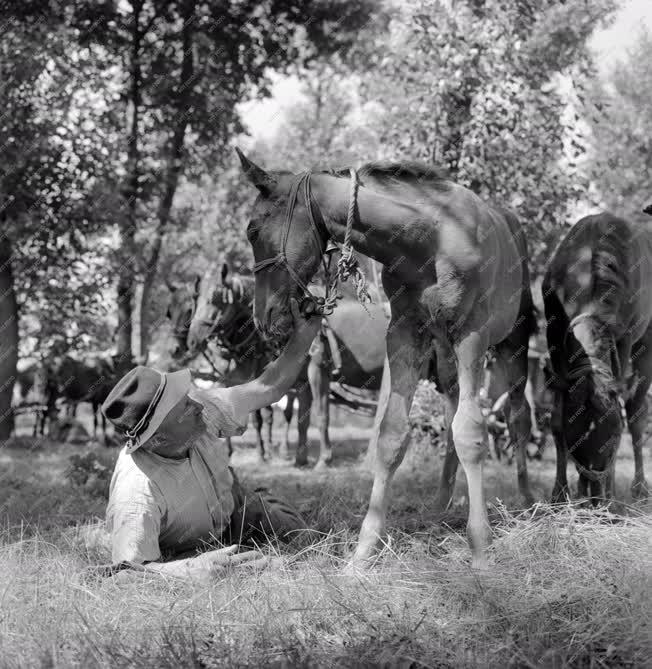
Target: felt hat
[{"x": 141, "y": 399}]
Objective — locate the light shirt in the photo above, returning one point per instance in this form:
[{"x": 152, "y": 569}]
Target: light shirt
[{"x": 163, "y": 504}]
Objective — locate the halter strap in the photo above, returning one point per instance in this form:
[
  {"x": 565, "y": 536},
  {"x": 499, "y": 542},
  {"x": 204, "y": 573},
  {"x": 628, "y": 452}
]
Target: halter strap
[{"x": 347, "y": 265}]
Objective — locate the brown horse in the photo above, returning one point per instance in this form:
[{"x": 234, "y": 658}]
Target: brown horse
[
  {"x": 224, "y": 309},
  {"x": 597, "y": 294},
  {"x": 455, "y": 272}
]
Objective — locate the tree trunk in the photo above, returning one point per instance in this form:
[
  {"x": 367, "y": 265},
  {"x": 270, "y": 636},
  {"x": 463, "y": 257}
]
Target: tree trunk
[
  {"x": 174, "y": 170},
  {"x": 126, "y": 272},
  {"x": 8, "y": 338}
]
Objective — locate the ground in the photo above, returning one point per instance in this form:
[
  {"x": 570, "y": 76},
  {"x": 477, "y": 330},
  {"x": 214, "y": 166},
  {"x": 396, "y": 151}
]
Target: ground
[{"x": 566, "y": 586}]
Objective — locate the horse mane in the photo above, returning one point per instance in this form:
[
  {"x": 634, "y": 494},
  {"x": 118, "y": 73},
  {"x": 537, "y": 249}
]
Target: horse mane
[
  {"x": 414, "y": 173},
  {"x": 610, "y": 258}
]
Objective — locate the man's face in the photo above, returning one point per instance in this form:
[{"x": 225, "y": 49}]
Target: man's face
[{"x": 179, "y": 429}]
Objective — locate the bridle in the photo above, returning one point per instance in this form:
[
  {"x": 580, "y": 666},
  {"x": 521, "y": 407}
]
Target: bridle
[
  {"x": 347, "y": 265},
  {"x": 562, "y": 384}
]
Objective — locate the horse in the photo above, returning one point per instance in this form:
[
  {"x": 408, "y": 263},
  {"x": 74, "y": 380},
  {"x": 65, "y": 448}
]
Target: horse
[
  {"x": 91, "y": 381},
  {"x": 34, "y": 387},
  {"x": 456, "y": 275},
  {"x": 179, "y": 312},
  {"x": 217, "y": 313},
  {"x": 597, "y": 294},
  {"x": 224, "y": 308}
]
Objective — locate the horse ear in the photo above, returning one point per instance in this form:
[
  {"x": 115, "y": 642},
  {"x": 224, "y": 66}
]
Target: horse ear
[{"x": 263, "y": 181}]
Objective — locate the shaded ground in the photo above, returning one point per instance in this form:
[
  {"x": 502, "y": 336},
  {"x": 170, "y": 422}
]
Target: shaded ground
[{"x": 567, "y": 587}]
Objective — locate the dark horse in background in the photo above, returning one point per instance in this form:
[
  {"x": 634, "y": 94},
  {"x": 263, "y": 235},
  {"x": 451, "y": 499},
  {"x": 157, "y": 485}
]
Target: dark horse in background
[
  {"x": 87, "y": 380},
  {"x": 456, "y": 275},
  {"x": 597, "y": 294},
  {"x": 226, "y": 309}
]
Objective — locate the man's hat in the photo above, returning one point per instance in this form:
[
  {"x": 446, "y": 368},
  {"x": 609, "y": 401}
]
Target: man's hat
[{"x": 141, "y": 399}]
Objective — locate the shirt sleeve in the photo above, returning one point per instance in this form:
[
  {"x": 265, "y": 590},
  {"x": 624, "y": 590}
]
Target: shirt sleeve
[
  {"x": 221, "y": 412},
  {"x": 133, "y": 519}
]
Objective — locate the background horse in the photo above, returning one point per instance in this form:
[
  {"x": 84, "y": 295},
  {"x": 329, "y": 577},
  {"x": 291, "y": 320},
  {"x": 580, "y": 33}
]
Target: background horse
[
  {"x": 597, "y": 293},
  {"x": 35, "y": 389},
  {"x": 224, "y": 309},
  {"x": 89, "y": 380},
  {"x": 219, "y": 311},
  {"x": 455, "y": 271}
]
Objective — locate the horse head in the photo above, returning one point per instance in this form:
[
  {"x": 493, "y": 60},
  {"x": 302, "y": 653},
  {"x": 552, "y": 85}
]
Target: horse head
[
  {"x": 589, "y": 415},
  {"x": 180, "y": 312},
  {"x": 287, "y": 242},
  {"x": 222, "y": 308}
]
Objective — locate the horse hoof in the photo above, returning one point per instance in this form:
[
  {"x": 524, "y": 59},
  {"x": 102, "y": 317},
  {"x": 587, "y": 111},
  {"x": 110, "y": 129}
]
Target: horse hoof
[
  {"x": 560, "y": 496},
  {"x": 640, "y": 490},
  {"x": 301, "y": 462},
  {"x": 322, "y": 464}
]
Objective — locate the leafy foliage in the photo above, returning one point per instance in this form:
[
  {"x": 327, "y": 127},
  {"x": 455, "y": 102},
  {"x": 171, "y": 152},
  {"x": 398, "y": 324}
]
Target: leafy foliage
[
  {"x": 472, "y": 86},
  {"x": 618, "y": 113}
]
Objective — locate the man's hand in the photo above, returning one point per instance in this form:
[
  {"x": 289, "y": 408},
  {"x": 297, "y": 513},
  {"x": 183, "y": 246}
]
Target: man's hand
[{"x": 204, "y": 567}]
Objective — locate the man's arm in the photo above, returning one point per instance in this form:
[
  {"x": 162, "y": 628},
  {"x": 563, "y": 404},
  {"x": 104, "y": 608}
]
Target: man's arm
[{"x": 279, "y": 376}]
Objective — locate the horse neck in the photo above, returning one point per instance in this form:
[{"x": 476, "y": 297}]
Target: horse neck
[
  {"x": 596, "y": 344},
  {"x": 380, "y": 230}
]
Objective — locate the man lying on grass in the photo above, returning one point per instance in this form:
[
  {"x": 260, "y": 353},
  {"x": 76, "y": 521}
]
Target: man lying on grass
[{"x": 172, "y": 493}]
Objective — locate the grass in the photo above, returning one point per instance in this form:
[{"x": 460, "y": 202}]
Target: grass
[{"x": 568, "y": 587}]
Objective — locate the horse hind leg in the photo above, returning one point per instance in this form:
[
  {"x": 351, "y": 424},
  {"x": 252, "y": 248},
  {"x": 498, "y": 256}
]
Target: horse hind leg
[{"x": 514, "y": 361}]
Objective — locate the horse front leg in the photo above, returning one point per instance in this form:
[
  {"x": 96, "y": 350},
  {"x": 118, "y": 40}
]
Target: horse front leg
[
  {"x": 447, "y": 374},
  {"x": 560, "y": 491},
  {"x": 267, "y": 414},
  {"x": 470, "y": 437},
  {"x": 303, "y": 420},
  {"x": 284, "y": 448},
  {"x": 637, "y": 412},
  {"x": 258, "y": 425},
  {"x": 318, "y": 377},
  {"x": 405, "y": 352}
]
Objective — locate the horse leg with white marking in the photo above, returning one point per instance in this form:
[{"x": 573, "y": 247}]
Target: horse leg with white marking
[
  {"x": 470, "y": 437},
  {"x": 284, "y": 448},
  {"x": 447, "y": 376},
  {"x": 267, "y": 414},
  {"x": 319, "y": 378},
  {"x": 405, "y": 351}
]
